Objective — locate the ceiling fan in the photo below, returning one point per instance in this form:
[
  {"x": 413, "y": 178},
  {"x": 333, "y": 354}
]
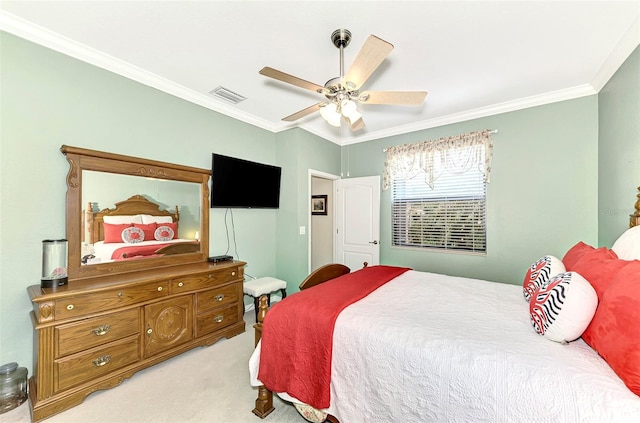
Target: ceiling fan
[{"x": 344, "y": 91}]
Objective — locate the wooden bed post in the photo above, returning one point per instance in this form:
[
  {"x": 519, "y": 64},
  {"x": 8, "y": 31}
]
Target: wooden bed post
[
  {"x": 264, "y": 402},
  {"x": 634, "y": 219}
]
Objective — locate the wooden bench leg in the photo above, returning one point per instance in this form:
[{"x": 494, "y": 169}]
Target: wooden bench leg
[{"x": 256, "y": 306}]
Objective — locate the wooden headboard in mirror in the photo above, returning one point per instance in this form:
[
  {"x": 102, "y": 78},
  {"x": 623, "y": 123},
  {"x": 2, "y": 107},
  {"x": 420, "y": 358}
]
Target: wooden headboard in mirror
[{"x": 167, "y": 204}]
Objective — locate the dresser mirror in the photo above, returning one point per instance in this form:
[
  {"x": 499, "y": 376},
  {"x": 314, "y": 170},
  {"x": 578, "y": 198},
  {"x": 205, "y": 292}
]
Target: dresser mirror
[{"x": 116, "y": 202}]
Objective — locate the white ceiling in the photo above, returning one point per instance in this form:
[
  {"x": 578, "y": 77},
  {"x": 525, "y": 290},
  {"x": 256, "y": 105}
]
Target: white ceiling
[{"x": 475, "y": 58}]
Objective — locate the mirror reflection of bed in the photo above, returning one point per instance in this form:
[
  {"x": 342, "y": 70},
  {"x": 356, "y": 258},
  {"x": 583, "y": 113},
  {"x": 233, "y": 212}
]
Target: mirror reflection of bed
[{"x": 136, "y": 228}]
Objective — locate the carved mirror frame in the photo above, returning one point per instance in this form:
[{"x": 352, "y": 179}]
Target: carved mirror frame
[{"x": 84, "y": 159}]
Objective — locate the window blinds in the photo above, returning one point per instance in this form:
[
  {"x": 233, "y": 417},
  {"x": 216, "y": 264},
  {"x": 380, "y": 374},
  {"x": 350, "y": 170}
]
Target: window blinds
[{"x": 444, "y": 208}]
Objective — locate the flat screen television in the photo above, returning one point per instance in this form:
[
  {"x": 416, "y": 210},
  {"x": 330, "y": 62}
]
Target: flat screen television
[{"x": 238, "y": 183}]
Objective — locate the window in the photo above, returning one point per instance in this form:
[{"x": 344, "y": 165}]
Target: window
[{"x": 438, "y": 193}]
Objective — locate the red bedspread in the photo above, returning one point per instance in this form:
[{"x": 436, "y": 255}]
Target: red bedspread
[
  {"x": 135, "y": 250},
  {"x": 297, "y": 336}
]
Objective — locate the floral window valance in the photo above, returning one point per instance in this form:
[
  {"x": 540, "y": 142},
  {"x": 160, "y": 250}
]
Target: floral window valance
[{"x": 455, "y": 154}]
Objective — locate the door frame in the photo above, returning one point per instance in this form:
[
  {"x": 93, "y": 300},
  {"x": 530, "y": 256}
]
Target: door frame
[{"x": 323, "y": 175}]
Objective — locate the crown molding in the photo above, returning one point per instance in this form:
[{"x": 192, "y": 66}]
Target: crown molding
[
  {"x": 36, "y": 34},
  {"x": 27, "y": 30},
  {"x": 627, "y": 44},
  {"x": 495, "y": 109}
]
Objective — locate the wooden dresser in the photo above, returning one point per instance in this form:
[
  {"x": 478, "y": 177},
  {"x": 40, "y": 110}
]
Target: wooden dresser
[{"x": 95, "y": 332}]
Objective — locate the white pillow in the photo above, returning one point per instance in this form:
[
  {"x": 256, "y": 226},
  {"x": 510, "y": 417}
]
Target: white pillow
[
  {"x": 163, "y": 233},
  {"x": 118, "y": 220},
  {"x": 627, "y": 247},
  {"x": 562, "y": 309},
  {"x": 132, "y": 235},
  {"x": 539, "y": 273},
  {"x": 147, "y": 218}
]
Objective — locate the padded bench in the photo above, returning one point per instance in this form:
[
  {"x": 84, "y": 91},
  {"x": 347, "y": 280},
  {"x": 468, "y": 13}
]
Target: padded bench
[{"x": 264, "y": 286}]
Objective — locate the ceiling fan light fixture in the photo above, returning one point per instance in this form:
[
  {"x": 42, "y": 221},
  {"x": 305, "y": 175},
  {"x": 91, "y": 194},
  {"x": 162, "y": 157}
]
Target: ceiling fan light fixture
[
  {"x": 327, "y": 110},
  {"x": 331, "y": 114},
  {"x": 353, "y": 117},
  {"x": 349, "y": 109},
  {"x": 335, "y": 121}
]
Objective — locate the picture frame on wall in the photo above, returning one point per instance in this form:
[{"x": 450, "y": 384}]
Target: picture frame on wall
[{"x": 319, "y": 205}]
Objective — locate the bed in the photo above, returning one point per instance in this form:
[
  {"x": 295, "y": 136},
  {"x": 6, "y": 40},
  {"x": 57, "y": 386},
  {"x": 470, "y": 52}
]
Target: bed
[
  {"x": 135, "y": 228},
  {"x": 453, "y": 349}
]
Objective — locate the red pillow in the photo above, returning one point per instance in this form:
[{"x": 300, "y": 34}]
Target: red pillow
[
  {"x": 148, "y": 229},
  {"x": 598, "y": 266},
  {"x": 172, "y": 225},
  {"x": 113, "y": 232},
  {"x": 574, "y": 254},
  {"x": 615, "y": 328}
]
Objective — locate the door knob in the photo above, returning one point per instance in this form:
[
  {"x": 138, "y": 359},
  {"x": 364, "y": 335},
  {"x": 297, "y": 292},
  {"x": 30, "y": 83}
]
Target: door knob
[{"x": 373, "y": 242}]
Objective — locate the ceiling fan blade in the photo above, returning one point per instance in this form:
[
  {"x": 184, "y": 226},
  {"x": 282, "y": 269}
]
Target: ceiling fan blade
[
  {"x": 356, "y": 125},
  {"x": 370, "y": 56},
  {"x": 304, "y": 112},
  {"x": 410, "y": 98},
  {"x": 290, "y": 79}
]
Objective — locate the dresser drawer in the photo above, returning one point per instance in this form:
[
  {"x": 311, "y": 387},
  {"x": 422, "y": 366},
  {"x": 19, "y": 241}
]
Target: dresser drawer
[
  {"x": 83, "y": 367},
  {"x": 216, "y": 319},
  {"x": 218, "y": 297},
  {"x": 205, "y": 280},
  {"x": 89, "y": 333},
  {"x": 105, "y": 300}
]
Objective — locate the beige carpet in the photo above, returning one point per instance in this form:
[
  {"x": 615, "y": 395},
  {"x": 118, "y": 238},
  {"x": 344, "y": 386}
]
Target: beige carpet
[{"x": 209, "y": 384}]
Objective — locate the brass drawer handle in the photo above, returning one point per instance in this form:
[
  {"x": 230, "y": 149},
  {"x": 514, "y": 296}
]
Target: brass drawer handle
[
  {"x": 70, "y": 307},
  {"x": 102, "y": 360},
  {"x": 159, "y": 288},
  {"x": 149, "y": 331},
  {"x": 101, "y": 330},
  {"x": 218, "y": 319},
  {"x": 233, "y": 273},
  {"x": 219, "y": 297},
  {"x": 181, "y": 284}
]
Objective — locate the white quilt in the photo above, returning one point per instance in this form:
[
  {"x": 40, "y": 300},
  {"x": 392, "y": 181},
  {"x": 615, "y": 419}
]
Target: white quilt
[{"x": 434, "y": 348}]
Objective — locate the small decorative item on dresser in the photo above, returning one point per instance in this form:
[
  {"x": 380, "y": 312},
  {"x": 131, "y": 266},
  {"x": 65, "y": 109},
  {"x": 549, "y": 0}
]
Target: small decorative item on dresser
[
  {"x": 13, "y": 386},
  {"x": 54, "y": 263}
]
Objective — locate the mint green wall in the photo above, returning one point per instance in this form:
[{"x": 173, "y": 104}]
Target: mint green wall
[
  {"x": 619, "y": 149},
  {"x": 542, "y": 198},
  {"x": 49, "y": 99},
  {"x": 297, "y": 152}
]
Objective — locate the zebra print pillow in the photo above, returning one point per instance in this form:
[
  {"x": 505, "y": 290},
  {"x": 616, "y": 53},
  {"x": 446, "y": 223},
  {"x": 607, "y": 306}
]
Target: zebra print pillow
[
  {"x": 563, "y": 308},
  {"x": 540, "y": 273}
]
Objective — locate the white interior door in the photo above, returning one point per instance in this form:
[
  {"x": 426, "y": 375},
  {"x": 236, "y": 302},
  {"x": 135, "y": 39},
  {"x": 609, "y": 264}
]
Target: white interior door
[{"x": 358, "y": 221}]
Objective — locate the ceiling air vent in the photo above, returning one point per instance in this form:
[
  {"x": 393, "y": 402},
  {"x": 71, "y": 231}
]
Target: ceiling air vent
[{"x": 227, "y": 95}]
